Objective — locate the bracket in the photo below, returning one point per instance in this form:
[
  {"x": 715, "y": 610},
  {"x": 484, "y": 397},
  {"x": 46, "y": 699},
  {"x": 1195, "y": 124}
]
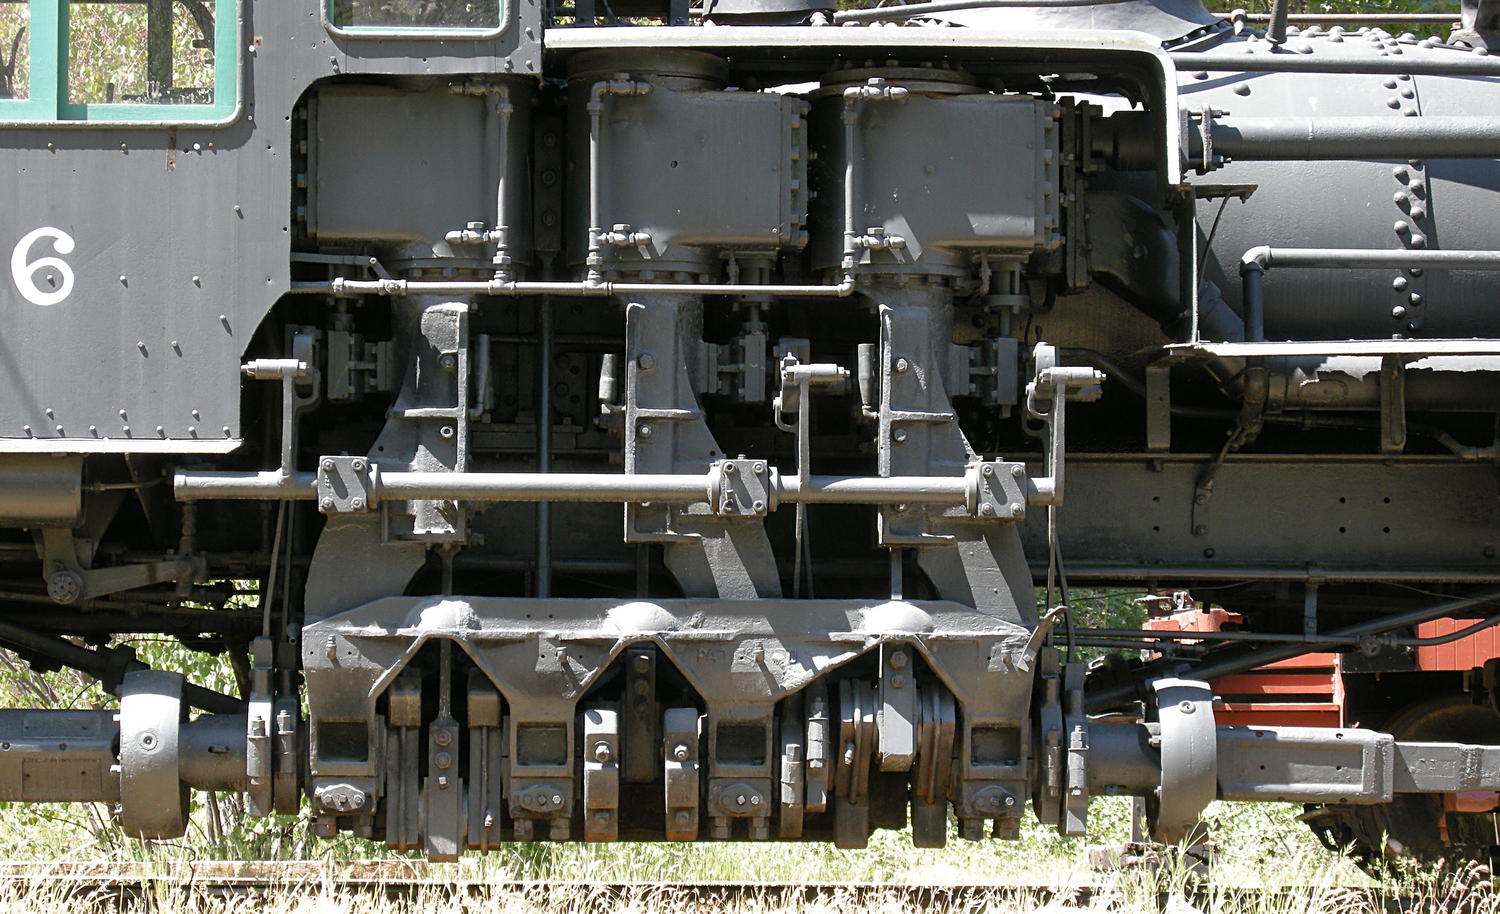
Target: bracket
[
  {"x": 347, "y": 485},
  {"x": 743, "y": 488}
]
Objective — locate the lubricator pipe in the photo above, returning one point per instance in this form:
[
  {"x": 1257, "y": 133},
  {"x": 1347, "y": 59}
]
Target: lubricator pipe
[
  {"x": 1240, "y": 661},
  {"x": 580, "y": 487},
  {"x": 1334, "y": 138},
  {"x": 1257, "y": 260},
  {"x": 1447, "y": 63}
]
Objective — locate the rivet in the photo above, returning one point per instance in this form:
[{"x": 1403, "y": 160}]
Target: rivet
[
  {"x": 1393, "y": 102},
  {"x": 1401, "y": 197},
  {"x": 1242, "y": 89},
  {"x": 1402, "y": 227},
  {"x": 1399, "y": 284},
  {"x": 644, "y": 431},
  {"x": 898, "y": 435},
  {"x": 1418, "y": 212},
  {"x": 1390, "y": 84},
  {"x": 1419, "y": 241},
  {"x": 1408, "y": 92},
  {"x": 1409, "y": 112},
  {"x": 1415, "y": 298},
  {"x": 1398, "y": 312},
  {"x": 1400, "y": 173}
]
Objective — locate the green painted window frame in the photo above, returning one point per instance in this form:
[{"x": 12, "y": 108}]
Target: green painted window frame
[
  {"x": 502, "y": 8},
  {"x": 48, "y": 90}
]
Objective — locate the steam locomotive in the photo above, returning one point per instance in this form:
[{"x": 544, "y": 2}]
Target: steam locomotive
[{"x": 626, "y": 420}]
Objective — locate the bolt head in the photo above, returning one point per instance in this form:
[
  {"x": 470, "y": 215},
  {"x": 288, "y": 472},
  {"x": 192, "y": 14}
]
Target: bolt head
[
  {"x": 328, "y": 466},
  {"x": 987, "y": 470},
  {"x": 64, "y": 587},
  {"x": 730, "y": 469},
  {"x": 899, "y": 435},
  {"x": 902, "y": 365},
  {"x": 643, "y": 432},
  {"x": 760, "y": 468},
  {"x": 680, "y": 752},
  {"x": 357, "y": 465},
  {"x": 601, "y": 752},
  {"x": 357, "y": 504},
  {"x": 326, "y": 504},
  {"x": 645, "y": 361}
]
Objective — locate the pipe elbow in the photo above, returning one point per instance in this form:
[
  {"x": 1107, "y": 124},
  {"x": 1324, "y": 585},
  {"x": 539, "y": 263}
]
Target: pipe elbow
[{"x": 1256, "y": 260}]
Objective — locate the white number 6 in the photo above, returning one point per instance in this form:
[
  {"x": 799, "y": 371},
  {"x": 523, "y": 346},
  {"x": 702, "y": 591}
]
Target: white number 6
[{"x": 26, "y": 274}]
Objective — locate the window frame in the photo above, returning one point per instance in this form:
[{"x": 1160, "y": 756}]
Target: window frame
[
  {"x": 504, "y": 8},
  {"x": 48, "y": 50}
]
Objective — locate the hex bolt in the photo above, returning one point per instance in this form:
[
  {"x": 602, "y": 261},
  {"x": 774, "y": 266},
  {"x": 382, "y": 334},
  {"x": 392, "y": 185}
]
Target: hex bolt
[
  {"x": 442, "y": 738},
  {"x": 645, "y": 361},
  {"x": 357, "y": 504},
  {"x": 680, "y": 752},
  {"x": 557, "y": 799},
  {"x": 758, "y": 506},
  {"x": 902, "y": 366},
  {"x": 601, "y": 752},
  {"x": 328, "y": 466},
  {"x": 443, "y": 760},
  {"x": 325, "y": 503},
  {"x": 1017, "y": 471},
  {"x": 729, "y": 469},
  {"x": 357, "y": 465},
  {"x": 1015, "y": 509},
  {"x": 987, "y": 510},
  {"x": 987, "y": 470},
  {"x": 760, "y": 468},
  {"x": 741, "y": 800},
  {"x": 643, "y": 432}
]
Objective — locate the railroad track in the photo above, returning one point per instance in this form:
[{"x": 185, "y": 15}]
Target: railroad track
[{"x": 415, "y": 880}]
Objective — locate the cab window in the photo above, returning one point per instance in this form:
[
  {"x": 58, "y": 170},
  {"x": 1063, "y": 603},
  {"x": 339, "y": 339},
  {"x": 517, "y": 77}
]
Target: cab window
[
  {"x": 136, "y": 60},
  {"x": 414, "y": 14}
]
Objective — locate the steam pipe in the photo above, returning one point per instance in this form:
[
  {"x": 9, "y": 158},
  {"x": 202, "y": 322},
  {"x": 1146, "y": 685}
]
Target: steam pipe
[
  {"x": 600, "y": 289},
  {"x": 1334, "y": 138},
  {"x": 1257, "y": 260},
  {"x": 576, "y": 487},
  {"x": 1446, "y": 63}
]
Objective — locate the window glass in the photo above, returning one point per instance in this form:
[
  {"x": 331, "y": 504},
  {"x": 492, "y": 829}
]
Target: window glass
[
  {"x": 15, "y": 49},
  {"x": 157, "y": 52},
  {"x": 398, "y": 14}
]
